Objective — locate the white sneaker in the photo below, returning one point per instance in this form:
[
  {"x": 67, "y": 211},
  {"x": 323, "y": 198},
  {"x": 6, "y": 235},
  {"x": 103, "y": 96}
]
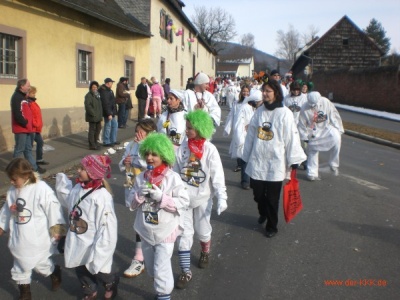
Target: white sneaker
[
  {"x": 146, "y": 117},
  {"x": 135, "y": 269},
  {"x": 335, "y": 171},
  {"x": 313, "y": 178}
]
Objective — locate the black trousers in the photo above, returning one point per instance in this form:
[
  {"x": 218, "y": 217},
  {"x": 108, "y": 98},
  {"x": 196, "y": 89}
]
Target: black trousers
[
  {"x": 90, "y": 281},
  {"x": 267, "y": 195},
  {"x": 141, "y": 108},
  {"x": 94, "y": 133}
]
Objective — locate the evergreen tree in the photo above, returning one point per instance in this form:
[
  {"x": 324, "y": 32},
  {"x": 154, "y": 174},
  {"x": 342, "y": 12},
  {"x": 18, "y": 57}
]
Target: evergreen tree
[{"x": 378, "y": 33}]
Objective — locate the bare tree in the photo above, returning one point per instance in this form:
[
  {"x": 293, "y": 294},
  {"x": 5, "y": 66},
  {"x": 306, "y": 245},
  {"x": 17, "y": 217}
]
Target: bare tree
[
  {"x": 310, "y": 35},
  {"x": 215, "y": 25},
  {"x": 288, "y": 43},
  {"x": 247, "y": 40}
]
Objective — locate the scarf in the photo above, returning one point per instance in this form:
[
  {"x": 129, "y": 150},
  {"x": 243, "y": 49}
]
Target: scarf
[
  {"x": 177, "y": 109},
  {"x": 273, "y": 105},
  {"x": 197, "y": 147},
  {"x": 94, "y": 183},
  {"x": 156, "y": 175}
]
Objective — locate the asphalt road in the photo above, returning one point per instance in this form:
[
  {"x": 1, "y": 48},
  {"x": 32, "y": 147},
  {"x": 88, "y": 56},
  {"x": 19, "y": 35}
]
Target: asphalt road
[{"x": 347, "y": 234}]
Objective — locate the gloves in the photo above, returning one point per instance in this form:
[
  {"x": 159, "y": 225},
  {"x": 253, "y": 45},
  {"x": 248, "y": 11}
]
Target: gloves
[
  {"x": 222, "y": 206},
  {"x": 144, "y": 190},
  {"x": 294, "y": 166},
  {"x": 156, "y": 194}
]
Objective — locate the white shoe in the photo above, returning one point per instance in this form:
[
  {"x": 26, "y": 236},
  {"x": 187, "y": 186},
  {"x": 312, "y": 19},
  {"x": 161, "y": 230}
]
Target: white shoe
[
  {"x": 335, "y": 171},
  {"x": 313, "y": 178},
  {"x": 135, "y": 269},
  {"x": 146, "y": 117}
]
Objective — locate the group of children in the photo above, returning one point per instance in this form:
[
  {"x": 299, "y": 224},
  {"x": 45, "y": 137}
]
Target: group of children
[{"x": 170, "y": 188}]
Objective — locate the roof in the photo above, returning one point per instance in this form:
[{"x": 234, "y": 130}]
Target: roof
[{"x": 108, "y": 11}]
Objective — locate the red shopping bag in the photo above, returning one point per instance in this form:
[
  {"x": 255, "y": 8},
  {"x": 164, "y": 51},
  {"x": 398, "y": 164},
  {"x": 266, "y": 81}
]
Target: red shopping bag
[{"x": 292, "y": 204}]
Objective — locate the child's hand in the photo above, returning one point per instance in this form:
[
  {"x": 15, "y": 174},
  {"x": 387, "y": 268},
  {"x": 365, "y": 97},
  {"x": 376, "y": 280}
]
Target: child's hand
[
  {"x": 144, "y": 190},
  {"x": 155, "y": 193},
  {"x": 222, "y": 206},
  {"x": 128, "y": 160},
  {"x": 57, "y": 237},
  {"x": 13, "y": 208}
]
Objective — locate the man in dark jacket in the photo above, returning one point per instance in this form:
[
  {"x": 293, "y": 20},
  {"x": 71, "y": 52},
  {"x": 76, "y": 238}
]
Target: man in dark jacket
[
  {"x": 109, "y": 112},
  {"x": 93, "y": 114},
  {"x": 122, "y": 95},
  {"x": 21, "y": 122},
  {"x": 141, "y": 94}
]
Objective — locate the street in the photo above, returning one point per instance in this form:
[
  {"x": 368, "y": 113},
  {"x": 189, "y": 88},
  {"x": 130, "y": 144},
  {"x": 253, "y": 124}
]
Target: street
[{"x": 344, "y": 244}]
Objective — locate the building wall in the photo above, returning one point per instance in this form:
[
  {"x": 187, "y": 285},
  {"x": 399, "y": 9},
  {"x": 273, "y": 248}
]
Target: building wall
[
  {"x": 176, "y": 54},
  {"x": 52, "y": 33},
  {"x": 331, "y": 53},
  {"x": 246, "y": 70},
  {"x": 374, "y": 88}
]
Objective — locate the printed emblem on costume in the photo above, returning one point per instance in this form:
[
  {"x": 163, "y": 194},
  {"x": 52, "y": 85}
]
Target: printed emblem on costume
[
  {"x": 76, "y": 224},
  {"x": 192, "y": 173},
  {"x": 294, "y": 107},
  {"x": 265, "y": 132},
  {"x": 23, "y": 214},
  {"x": 321, "y": 117},
  {"x": 174, "y": 136},
  {"x": 150, "y": 209}
]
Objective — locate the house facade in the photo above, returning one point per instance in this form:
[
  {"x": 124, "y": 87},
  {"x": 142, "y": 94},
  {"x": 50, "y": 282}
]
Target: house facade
[{"x": 60, "y": 46}]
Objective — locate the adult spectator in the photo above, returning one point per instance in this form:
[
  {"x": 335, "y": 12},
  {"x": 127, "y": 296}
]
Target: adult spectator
[
  {"x": 141, "y": 94},
  {"x": 93, "y": 114},
  {"x": 109, "y": 112},
  {"x": 157, "y": 94},
  {"x": 200, "y": 98},
  {"x": 276, "y": 76},
  {"x": 321, "y": 127},
  {"x": 271, "y": 148},
  {"x": 167, "y": 88},
  {"x": 121, "y": 99},
  {"x": 22, "y": 124}
]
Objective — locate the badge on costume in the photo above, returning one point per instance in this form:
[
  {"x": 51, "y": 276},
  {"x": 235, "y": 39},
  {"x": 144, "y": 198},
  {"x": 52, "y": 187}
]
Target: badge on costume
[
  {"x": 321, "y": 117},
  {"x": 192, "y": 173},
  {"x": 265, "y": 132},
  {"x": 294, "y": 107},
  {"x": 23, "y": 214},
  {"x": 76, "y": 224}
]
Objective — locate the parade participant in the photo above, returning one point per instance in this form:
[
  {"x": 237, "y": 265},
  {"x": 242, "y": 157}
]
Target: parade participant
[
  {"x": 306, "y": 87},
  {"x": 271, "y": 147},
  {"x": 172, "y": 121},
  {"x": 276, "y": 76},
  {"x": 133, "y": 164},
  {"x": 34, "y": 219},
  {"x": 230, "y": 94},
  {"x": 200, "y": 167},
  {"x": 92, "y": 235},
  {"x": 295, "y": 100},
  {"x": 200, "y": 98},
  {"x": 160, "y": 198},
  {"x": 231, "y": 120},
  {"x": 321, "y": 127}
]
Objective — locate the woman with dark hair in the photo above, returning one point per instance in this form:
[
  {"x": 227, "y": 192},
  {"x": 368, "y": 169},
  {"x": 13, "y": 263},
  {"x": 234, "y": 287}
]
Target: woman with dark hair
[
  {"x": 294, "y": 100},
  {"x": 271, "y": 148},
  {"x": 93, "y": 115}
]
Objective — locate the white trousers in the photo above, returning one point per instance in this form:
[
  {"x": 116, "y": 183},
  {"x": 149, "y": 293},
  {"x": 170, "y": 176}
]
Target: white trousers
[
  {"x": 313, "y": 160},
  {"x": 196, "y": 221},
  {"x": 44, "y": 266},
  {"x": 158, "y": 264}
]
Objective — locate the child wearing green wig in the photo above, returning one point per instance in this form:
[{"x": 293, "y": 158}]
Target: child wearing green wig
[
  {"x": 160, "y": 198},
  {"x": 200, "y": 167}
]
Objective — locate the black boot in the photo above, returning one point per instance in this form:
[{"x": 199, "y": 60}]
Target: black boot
[
  {"x": 24, "y": 292},
  {"x": 56, "y": 278},
  {"x": 111, "y": 289}
]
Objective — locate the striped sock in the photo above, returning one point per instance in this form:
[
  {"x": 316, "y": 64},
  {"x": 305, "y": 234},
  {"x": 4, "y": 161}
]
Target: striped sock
[
  {"x": 184, "y": 260},
  {"x": 164, "y": 297}
]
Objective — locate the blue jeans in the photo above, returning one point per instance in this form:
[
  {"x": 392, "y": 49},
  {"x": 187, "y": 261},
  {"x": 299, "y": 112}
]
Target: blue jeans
[
  {"x": 23, "y": 147},
  {"x": 39, "y": 146},
  {"x": 121, "y": 114},
  {"x": 244, "y": 176},
  {"x": 110, "y": 131}
]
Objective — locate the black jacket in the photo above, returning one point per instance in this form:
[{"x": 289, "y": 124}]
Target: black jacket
[
  {"x": 141, "y": 91},
  {"x": 93, "y": 108},
  {"x": 108, "y": 101}
]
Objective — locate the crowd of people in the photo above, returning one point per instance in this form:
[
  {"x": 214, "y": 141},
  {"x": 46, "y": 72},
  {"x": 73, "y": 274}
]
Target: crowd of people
[{"x": 173, "y": 174}]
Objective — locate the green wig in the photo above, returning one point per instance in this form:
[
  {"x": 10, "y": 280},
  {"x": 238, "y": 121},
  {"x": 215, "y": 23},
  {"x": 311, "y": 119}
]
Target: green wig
[
  {"x": 159, "y": 144},
  {"x": 201, "y": 122}
]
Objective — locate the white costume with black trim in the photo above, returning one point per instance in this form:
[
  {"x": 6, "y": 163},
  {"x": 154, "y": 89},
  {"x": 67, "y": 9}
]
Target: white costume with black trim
[
  {"x": 294, "y": 103},
  {"x": 211, "y": 104},
  {"x": 175, "y": 126}
]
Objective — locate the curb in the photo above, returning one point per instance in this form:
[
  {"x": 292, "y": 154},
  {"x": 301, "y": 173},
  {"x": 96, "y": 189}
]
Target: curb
[{"x": 372, "y": 139}]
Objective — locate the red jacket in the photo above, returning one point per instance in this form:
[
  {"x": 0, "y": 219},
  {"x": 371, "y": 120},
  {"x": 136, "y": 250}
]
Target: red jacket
[
  {"x": 27, "y": 115},
  {"x": 37, "y": 121}
]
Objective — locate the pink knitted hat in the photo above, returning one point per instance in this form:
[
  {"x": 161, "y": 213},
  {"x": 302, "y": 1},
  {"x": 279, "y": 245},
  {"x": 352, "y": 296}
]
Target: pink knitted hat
[{"x": 97, "y": 166}]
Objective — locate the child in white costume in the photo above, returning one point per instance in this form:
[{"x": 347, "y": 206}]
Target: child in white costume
[
  {"x": 92, "y": 234},
  {"x": 160, "y": 198},
  {"x": 200, "y": 167},
  {"x": 133, "y": 164},
  {"x": 321, "y": 127},
  {"x": 33, "y": 217}
]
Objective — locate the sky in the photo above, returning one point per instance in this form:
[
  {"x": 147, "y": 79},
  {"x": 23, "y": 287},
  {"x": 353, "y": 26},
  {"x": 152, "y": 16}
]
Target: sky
[{"x": 263, "y": 18}]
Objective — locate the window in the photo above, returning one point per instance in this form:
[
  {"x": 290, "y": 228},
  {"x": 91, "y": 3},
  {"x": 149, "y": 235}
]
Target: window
[
  {"x": 162, "y": 69},
  {"x": 183, "y": 39},
  {"x": 129, "y": 70},
  {"x": 345, "y": 41},
  {"x": 84, "y": 65},
  {"x": 164, "y": 19},
  {"x": 12, "y": 54},
  {"x": 213, "y": 62},
  {"x": 176, "y": 53},
  {"x": 181, "y": 76},
  {"x": 190, "y": 44}
]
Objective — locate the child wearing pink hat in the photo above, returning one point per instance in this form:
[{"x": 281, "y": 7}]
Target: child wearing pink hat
[{"x": 92, "y": 234}]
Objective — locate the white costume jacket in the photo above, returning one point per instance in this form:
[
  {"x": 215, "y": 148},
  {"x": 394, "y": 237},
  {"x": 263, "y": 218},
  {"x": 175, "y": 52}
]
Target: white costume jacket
[
  {"x": 294, "y": 103},
  {"x": 176, "y": 129},
  {"x": 208, "y": 181},
  {"x": 321, "y": 125},
  {"x": 94, "y": 237},
  {"x": 211, "y": 104},
  {"x": 169, "y": 211},
  {"x": 37, "y": 210},
  {"x": 272, "y": 144}
]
